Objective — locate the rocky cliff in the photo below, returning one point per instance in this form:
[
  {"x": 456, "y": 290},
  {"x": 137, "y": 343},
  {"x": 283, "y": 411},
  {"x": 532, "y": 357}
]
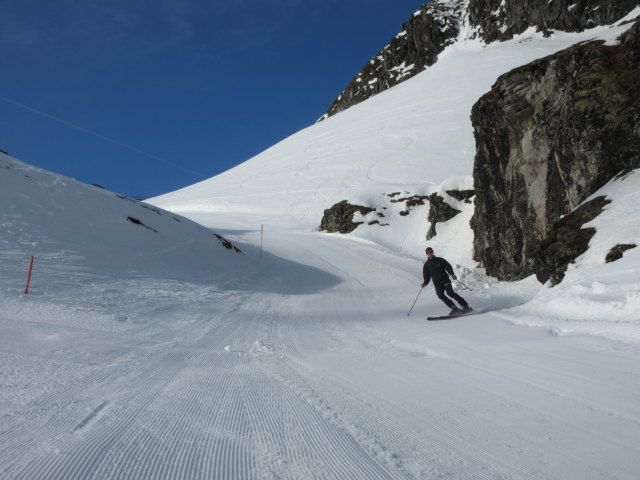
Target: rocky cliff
[
  {"x": 502, "y": 19},
  {"x": 429, "y": 30},
  {"x": 548, "y": 135},
  {"x": 437, "y": 24}
]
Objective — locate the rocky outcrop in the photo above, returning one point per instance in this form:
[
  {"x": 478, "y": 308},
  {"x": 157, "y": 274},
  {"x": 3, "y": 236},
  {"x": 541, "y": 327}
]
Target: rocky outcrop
[
  {"x": 439, "y": 211},
  {"x": 500, "y": 20},
  {"x": 227, "y": 244},
  {"x": 339, "y": 218},
  {"x": 437, "y": 24},
  {"x": 462, "y": 195},
  {"x": 409, "y": 202},
  {"x": 617, "y": 251},
  {"x": 548, "y": 135},
  {"x": 565, "y": 241},
  {"x": 421, "y": 39},
  {"x": 135, "y": 221}
]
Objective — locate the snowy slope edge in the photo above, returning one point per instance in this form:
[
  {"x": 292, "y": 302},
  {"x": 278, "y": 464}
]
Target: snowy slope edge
[{"x": 46, "y": 214}]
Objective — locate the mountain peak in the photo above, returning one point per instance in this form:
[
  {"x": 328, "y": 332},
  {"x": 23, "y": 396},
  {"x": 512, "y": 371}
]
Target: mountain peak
[{"x": 440, "y": 23}]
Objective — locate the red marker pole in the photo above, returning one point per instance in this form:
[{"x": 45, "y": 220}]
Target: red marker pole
[{"x": 26, "y": 288}]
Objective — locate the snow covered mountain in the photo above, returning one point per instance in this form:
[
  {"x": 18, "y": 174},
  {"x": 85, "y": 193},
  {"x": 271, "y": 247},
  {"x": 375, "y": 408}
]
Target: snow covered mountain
[
  {"x": 438, "y": 24},
  {"x": 387, "y": 155},
  {"x": 148, "y": 349}
]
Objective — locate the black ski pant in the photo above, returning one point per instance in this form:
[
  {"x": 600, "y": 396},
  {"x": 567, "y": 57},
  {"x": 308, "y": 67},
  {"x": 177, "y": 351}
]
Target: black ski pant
[{"x": 441, "y": 288}]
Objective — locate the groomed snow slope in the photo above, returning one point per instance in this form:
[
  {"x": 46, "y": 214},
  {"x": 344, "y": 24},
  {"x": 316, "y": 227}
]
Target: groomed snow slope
[
  {"x": 144, "y": 355},
  {"x": 416, "y": 139},
  {"x": 303, "y": 368}
]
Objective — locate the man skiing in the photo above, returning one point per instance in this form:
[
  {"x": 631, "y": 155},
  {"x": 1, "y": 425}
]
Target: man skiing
[{"x": 439, "y": 270}]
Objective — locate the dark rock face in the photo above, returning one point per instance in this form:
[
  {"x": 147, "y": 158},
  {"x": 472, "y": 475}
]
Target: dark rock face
[
  {"x": 566, "y": 241},
  {"x": 548, "y": 135},
  {"x": 498, "y": 20},
  {"x": 135, "y": 221},
  {"x": 436, "y": 25},
  {"x": 462, "y": 195},
  {"x": 410, "y": 202},
  {"x": 227, "y": 244},
  {"x": 422, "y": 38},
  {"x": 339, "y": 218},
  {"x": 617, "y": 251},
  {"x": 440, "y": 211}
]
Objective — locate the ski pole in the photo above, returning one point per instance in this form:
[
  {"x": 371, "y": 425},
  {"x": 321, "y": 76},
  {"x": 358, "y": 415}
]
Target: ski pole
[
  {"x": 456, "y": 279},
  {"x": 414, "y": 302},
  {"x": 463, "y": 284}
]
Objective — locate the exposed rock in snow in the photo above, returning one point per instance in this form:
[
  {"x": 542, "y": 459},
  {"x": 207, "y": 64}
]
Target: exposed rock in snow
[
  {"x": 439, "y": 211},
  {"x": 339, "y": 218},
  {"x": 502, "y": 19},
  {"x": 441, "y": 22},
  {"x": 548, "y": 135},
  {"x": 422, "y": 39},
  {"x": 566, "y": 240}
]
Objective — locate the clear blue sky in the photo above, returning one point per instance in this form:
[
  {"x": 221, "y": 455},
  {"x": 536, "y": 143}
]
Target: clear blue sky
[{"x": 148, "y": 96}]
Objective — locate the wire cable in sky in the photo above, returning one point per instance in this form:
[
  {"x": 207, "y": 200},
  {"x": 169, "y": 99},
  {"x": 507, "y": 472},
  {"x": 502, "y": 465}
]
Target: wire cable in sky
[{"x": 84, "y": 130}]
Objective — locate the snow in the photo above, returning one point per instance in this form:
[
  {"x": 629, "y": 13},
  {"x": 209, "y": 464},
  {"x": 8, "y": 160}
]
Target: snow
[
  {"x": 403, "y": 70},
  {"x": 598, "y": 298},
  {"x": 158, "y": 353}
]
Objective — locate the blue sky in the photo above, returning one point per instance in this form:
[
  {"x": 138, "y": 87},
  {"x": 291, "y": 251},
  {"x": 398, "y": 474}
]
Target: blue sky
[{"x": 148, "y": 96}]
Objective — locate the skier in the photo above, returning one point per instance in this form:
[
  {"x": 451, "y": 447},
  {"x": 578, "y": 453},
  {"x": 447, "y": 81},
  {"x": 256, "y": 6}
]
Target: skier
[{"x": 439, "y": 270}]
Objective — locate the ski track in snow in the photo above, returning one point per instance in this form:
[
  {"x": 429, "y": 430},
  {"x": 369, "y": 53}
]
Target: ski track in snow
[{"x": 297, "y": 395}]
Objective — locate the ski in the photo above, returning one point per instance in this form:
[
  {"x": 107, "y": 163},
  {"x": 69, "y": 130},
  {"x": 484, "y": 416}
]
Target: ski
[{"x": 445, "y": 317}]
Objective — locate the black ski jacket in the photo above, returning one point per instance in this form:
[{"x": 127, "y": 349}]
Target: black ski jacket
[{"x": 436, "y": 269}]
